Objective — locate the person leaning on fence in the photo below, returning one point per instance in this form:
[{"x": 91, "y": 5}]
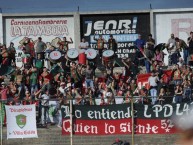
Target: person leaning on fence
[
  {"x": 187, "y": 90},
  {"x": 53, "y": 110},
  {"x": 176, "y": 73},
  {"x": 153, "y": 83},
  {"x": 161, "y": 96},
  {"x": 44, "y": 107}
]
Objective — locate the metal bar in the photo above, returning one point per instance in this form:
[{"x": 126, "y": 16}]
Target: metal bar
[
  {"x": 1, "y": 123},
  {"x": 71, "y": 125},
  {"x": 133, "y": 124}
]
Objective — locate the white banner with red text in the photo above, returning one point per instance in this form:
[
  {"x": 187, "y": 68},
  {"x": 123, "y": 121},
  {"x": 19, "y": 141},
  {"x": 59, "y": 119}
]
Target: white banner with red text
[{"x": 21, "y": 121}]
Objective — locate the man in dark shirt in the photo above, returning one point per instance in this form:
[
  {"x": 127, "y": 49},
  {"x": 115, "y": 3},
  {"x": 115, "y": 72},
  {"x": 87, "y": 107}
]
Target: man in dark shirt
[
  {"x": 140, "y": 43},
  {"x": 190, "y": 43}
]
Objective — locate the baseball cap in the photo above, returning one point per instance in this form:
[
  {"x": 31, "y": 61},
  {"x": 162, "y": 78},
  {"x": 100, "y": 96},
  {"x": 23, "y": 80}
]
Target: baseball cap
[{"x": 3, "y": 83}]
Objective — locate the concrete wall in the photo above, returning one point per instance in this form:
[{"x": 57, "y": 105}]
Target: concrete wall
[{"x": 52, "y": 136}]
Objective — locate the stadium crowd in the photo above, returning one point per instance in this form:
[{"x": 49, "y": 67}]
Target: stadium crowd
[{"x": 51, "y": 81}]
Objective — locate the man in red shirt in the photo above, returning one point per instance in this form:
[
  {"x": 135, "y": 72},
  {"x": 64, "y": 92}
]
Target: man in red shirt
[{"x": 4, "y": 91}]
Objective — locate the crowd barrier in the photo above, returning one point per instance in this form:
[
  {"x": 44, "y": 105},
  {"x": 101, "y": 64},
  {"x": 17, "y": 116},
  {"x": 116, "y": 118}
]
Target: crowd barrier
[{"x": 114, "y": 119}]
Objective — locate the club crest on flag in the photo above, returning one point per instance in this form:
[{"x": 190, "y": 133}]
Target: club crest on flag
[{"x": 21, "y": 120}]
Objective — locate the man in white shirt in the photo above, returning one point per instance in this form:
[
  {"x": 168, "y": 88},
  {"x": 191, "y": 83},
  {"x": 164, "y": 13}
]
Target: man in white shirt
[
  {"x": 153, "y": 80},
  {"x": 83, "y": 44},
  {"x": 44, "y": 107},
  {"x": 62, "y": 89}
]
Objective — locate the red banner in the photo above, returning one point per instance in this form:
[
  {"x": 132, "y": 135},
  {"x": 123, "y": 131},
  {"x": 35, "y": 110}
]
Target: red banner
[
  {"x": 122, "y": 126},
  {"x": 117, "y": 119}
]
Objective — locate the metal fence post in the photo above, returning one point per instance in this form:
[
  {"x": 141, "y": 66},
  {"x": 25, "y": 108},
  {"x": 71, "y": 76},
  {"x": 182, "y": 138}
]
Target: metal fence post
[
  {"x": 1, "y": 122},
  {"x": 71, "y": 123},
  {"x": 132, "y": 111}
]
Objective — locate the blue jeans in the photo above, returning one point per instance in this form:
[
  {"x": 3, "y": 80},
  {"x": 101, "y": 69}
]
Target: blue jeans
[
  {"x": 176, "y": 82},
  {"x": 186, "y": 54},
  {"x": 34, "y": 88},
  {"x": 147, "y": 66},
  {"x": 188, "y": 93},
  {"x": 174, "y": 58},
  {"x": 178, "y": 99},
  {"x": 89, "y": 83},
  {"x": 44, "y": 117},
  {"x": 153, "y": 93}
]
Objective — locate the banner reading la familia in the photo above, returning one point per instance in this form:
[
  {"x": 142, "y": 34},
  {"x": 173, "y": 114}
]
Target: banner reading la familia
[{"x": 21, "y": 121}]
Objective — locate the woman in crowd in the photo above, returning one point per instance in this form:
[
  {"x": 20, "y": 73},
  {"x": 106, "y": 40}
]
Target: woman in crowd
[
  {"x": 161, "y": 97},
  {"x": 178, "y": 94}
]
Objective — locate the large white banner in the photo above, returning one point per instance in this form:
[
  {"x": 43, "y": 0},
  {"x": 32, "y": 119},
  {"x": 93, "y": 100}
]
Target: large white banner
[
  {"x": 1, "y": 29},
  {"x": 50, "y": 29},
  {"x": 21, "y": 121},
  {"x": 180, "y": 24}
]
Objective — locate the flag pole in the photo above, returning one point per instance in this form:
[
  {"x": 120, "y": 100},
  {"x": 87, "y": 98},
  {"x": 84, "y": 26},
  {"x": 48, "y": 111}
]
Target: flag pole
[
  {"x": 133, "y": 131},
  {"x": 71, "y": 126},
  {"x": 1, "y": 123}
]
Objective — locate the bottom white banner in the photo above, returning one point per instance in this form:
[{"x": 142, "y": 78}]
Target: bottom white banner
[{"x": 21, "y": 121}]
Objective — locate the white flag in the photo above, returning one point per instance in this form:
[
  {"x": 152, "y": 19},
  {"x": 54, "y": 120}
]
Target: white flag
[{"x": 21, "y": 121}]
